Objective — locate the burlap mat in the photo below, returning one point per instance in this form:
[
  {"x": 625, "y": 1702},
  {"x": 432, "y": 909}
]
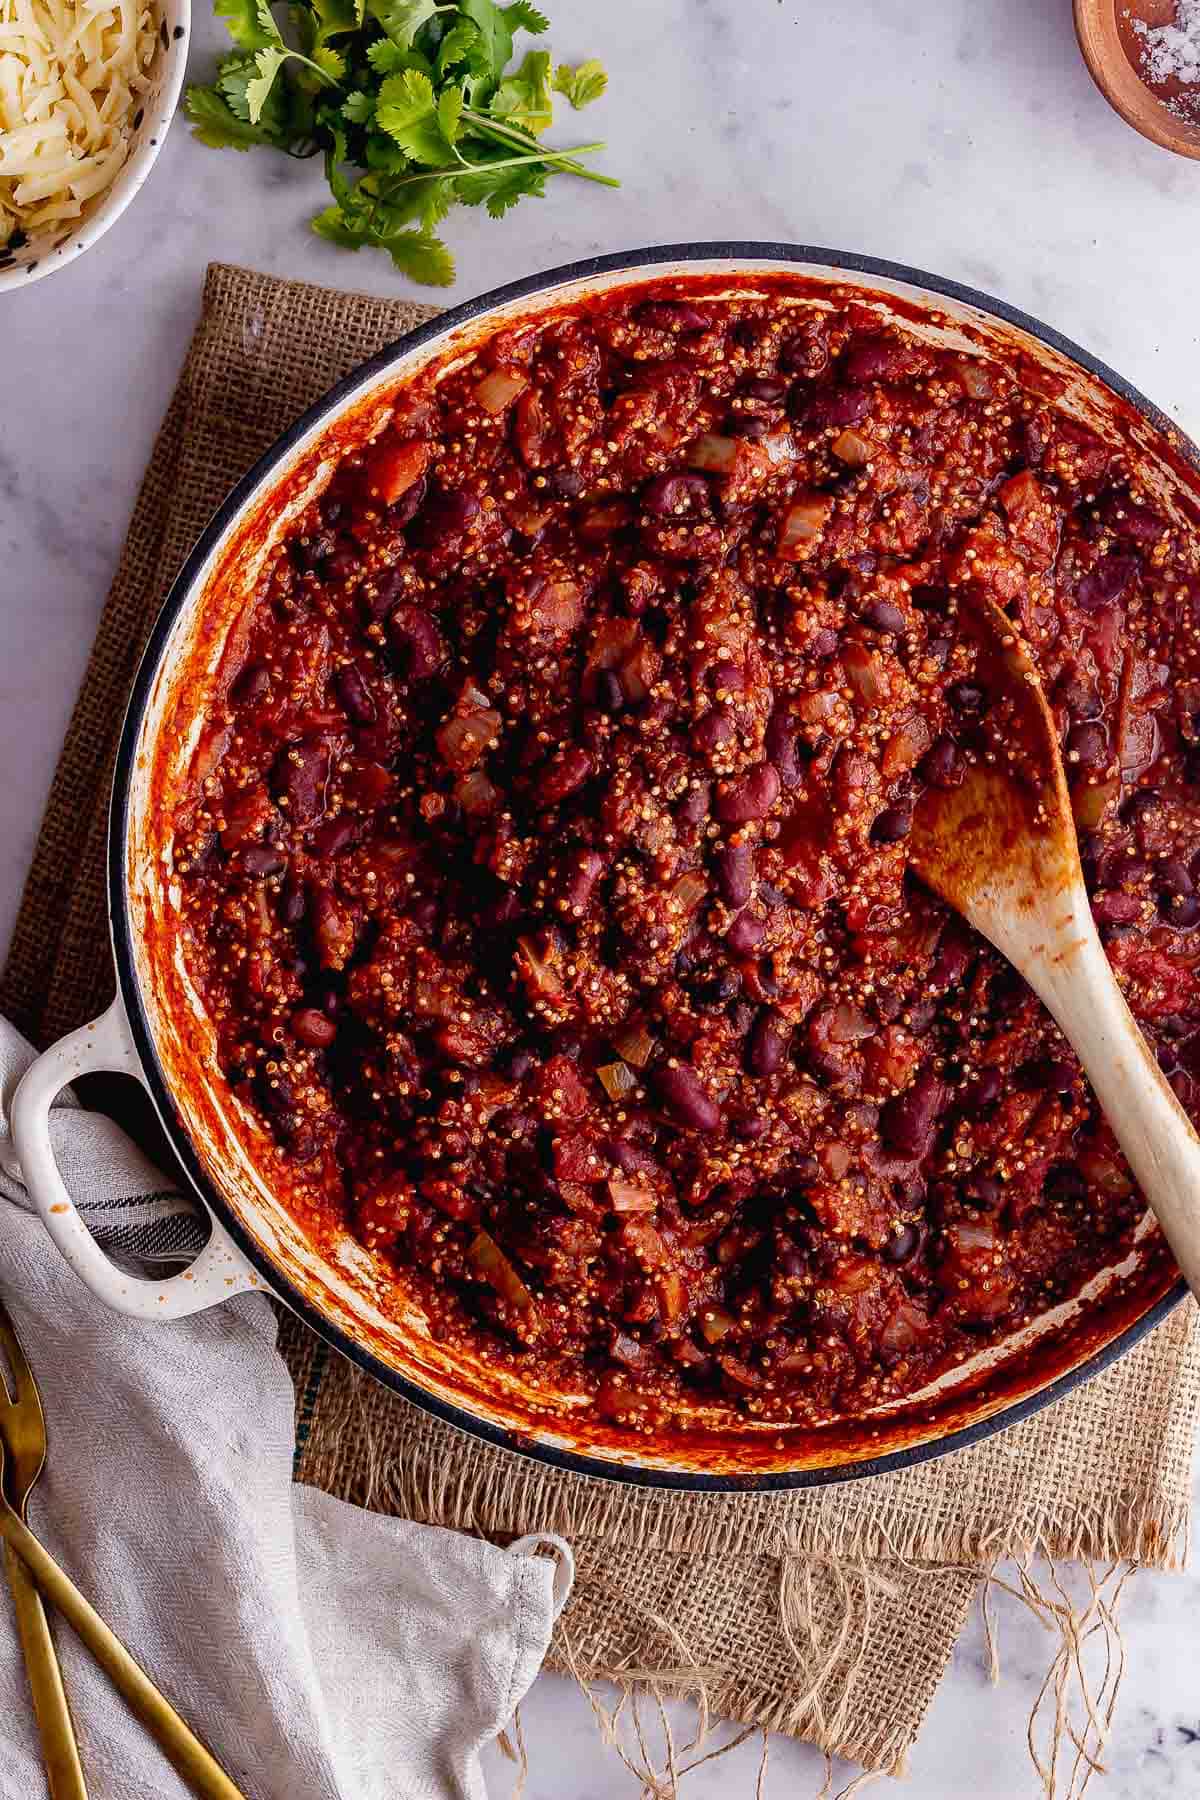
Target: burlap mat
[{"x": 828, "y": 1615}]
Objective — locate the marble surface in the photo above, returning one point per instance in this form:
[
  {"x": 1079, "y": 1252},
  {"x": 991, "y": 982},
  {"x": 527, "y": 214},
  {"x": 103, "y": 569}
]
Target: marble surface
[{"x": 962, "y": 136}]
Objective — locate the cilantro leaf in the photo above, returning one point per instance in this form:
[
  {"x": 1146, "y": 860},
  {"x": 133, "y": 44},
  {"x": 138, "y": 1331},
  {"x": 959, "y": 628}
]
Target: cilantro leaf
[
  {"x": 330, "y": 62},
  {"x": 334, "y": 17},
  {"x": 408, "y": 112},
  {"x": 422, "y": 257},
  {"x": 333, "y": 225},
  {"x": 449, "y": 112},
  {"x": 495, "y": 34},
  {"x": 402, "y": 19},
  {"x": 268, "y": 64},
  {"x": 524, "y": 99},
  {"x": 383, "y": 155},
  {"x": 216, "y": 124},
  {"x": 580, "y": 85},
  {"x": 520, "y": 16},
  {"x": 460, "y": 44},
  {"x": 250, "y": 23},
  {"x": 358, "y": 108},
  {"x": 385, "y": 57},
  {"x": 500, "y": 190}
]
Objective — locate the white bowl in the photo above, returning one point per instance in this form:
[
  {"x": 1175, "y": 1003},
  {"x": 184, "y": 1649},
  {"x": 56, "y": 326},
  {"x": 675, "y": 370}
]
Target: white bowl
[{"x": 60, "y": 244}]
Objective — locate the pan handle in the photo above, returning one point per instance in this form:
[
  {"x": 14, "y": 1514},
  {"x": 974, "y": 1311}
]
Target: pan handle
[{"x": 218, "y": 1272}]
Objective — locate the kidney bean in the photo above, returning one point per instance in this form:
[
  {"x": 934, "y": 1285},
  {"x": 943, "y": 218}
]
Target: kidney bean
[
  {"x": 746, "y": 934},
  {"x": 585, "y": 870},
  {"x": 261, "y": 860},
  {"x": 1087, "y": 747},
  {"x": 830, "y": 405},
  {"x": 417, "y": 641},
  {"x": 335, "y": 835},
  {"x": 679, "y": 1089},
  {"x": 1107, "y": 582},
  {"x": 293, "y": 903},
  {"x": 299, "y": 777},
  {"x": 668, "y": 495},
  {"x": 768, "y": 388},
  {"x": 742, "y": 425},
  {"x": 380, "y": 593},
  {"x": 344, "y": 563},
  {"x": 824, "y": 643},
  {"x": 568, "y": 483},
  {"x": 1183, "y": 910},
  {"x": 881, "y": 615},
  {"x": 610, "y": 695},
  {"x": 987, "y": 1088},
  {"x": 355, "y": 695},
  {"x": 251, "y": 685},
  {"x": 892, "y": 825},
  {"x": 943, "y": 766},
  {"x": 404, "y": 510},
  {"x": 751, "y": 796},
  {"x": 446, "y": 515},
  {"x": 874, "y": 358},
  {"x": 770, "y": 1040},
  {"x": 1114, "y": 908},
  {"x": 715, "y": 728},
  {"x": 735, "y": 873},
  {"x": 1174, "y": 879},
  {"x": 566, "y": 772},
  {"x": 909, "y": 1121},
  {"x": 780, "y": 744},
  {"x": 693, "y": 809},
  {"x": 672, "y": 315},
  {"x": 314, "y": 1028},
  {"x": 1130, "y": 519}
]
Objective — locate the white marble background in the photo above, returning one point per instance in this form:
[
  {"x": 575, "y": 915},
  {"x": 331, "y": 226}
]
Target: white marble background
[{"x": 959, "y": 135}]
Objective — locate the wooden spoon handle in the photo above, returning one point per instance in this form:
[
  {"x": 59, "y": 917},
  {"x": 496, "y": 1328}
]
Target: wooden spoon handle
[
  {"x": 196, "y": 1765},
  {"x": 1075, "y": 981}
]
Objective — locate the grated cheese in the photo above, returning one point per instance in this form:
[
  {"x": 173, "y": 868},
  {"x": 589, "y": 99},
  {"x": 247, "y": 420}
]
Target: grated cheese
[{"x": 71, "y": 72}]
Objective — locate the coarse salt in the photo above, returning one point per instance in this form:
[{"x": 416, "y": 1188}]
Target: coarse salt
[{"x": 1172, "y": 51}]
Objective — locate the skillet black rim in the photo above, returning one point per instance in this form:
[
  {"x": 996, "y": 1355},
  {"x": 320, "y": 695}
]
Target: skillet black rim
[{"x": 788, "y": 256}]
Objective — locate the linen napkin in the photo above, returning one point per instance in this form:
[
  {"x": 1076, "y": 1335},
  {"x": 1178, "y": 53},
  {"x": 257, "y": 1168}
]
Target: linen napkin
[{"x": 319, "y": 1650}]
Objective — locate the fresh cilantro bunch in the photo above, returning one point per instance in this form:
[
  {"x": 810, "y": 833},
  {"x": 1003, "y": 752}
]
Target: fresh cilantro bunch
[{"x": 412, "y": 104}]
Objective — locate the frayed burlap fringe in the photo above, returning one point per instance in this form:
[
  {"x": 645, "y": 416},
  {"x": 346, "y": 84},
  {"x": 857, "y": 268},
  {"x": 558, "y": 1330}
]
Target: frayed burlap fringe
[{"x": 830, "y": 1615}]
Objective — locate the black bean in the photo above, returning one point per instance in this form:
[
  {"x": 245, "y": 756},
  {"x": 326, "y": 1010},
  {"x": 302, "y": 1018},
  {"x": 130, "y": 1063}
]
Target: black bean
[
  {"x": 965, "y": 696},
  {"x": 444, "y": 518},
  {"x": 943, "y": 766},
  {"x": 892, "y": 824},
  {"x": 903, "y": 1244}
]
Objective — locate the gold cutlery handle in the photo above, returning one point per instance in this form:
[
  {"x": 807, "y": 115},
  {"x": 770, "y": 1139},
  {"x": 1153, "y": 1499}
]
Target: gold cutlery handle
[
  {"x": 179, "y": 1744},
  {"x": 60, "y": 1752}
]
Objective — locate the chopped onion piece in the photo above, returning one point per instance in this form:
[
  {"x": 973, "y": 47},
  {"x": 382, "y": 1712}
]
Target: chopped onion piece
[
  {"x": 716, "y": 1323},
  {"x": 499, "y": 388},
  {"x": 617, "y": 1079},
  {"x": 714, "y": 454},
  {"x": 1090, "y": 801},
  {"x": 864, "y": 672},
  {"x": 852, "y": 448},
  {"x": 803, "y": 523},
  {"x": 689, "y": 891},
  {"x": 489, "y": 1261},
  {"x": 635, "y": 1045},
  {"x": 630, "y": 1196}
]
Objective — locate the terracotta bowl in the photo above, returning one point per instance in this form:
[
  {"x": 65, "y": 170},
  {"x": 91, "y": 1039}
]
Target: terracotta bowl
[{"x": 1112, "y": 49}]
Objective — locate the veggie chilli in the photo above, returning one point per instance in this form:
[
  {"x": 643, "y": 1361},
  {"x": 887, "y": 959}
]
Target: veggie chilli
[{"x": 544, "y": 862}]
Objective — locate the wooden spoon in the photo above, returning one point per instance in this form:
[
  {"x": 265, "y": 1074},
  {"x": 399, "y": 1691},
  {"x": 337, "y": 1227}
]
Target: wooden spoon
[{"x": 1001, "y": 850}]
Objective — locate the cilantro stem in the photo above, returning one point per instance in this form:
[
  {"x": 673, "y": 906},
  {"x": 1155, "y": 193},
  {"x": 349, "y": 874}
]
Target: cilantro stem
[
  {"x": 450, "y": 173},
  {"x": 563, "y": 159}
]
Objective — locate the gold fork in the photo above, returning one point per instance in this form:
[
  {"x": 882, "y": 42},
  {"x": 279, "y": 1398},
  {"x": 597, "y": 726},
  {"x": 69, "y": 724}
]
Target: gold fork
[
  {"x": 20, "y": 1420},
  {"x": 23, "y": 1426}
]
